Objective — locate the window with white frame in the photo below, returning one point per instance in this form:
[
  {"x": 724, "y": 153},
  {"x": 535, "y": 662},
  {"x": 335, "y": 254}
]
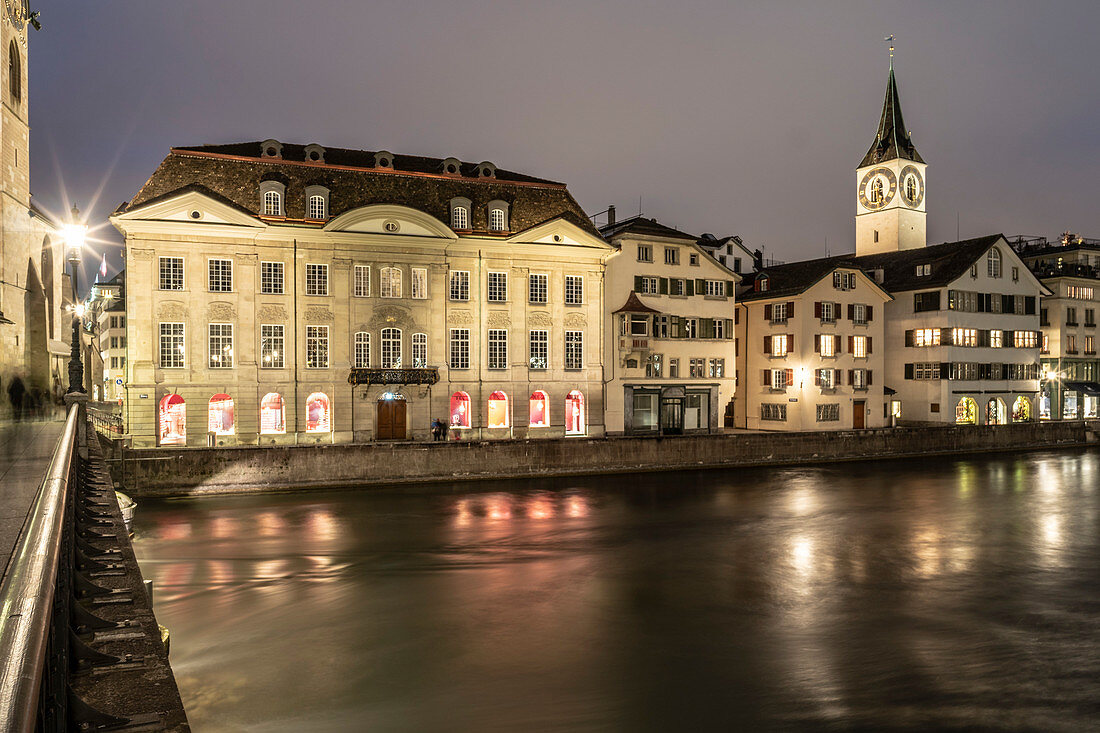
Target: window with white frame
[
  {"x": 459, "y": 348},
  {"x": 498, "y": 348},
  {"x": 653, "y": 366},
  {"x": 964, "y": 336},
  {"x": 1025, "y": 339},
  {"x": 717, "y": 368},
  {"x": 828, "y": 413},
  {"x": 460, "y": 216},
  {"x": 715, "y": 288},
  {"x": 926, "y": 337},
  {"x": 779, "y": 345},
  {"x": 824, "y": 378},
  {"x": 272, "y": 342},
  {"x": 460, "y": 285},
  {"x": 362, "y": 281},
  {"x": 574, "y": 289},
  {"x": 317, "y": 347},
  {"x": 697, "y": 368},
  {"x": 539, "y": 349},
  {"x": 649, "y": 285},
  {"x": 828, "y": 312},
  {"x": 672, "y": 256},
  {"x": 779, "y": 313},
  {"x": 391, "y": 348},
  {"x": 362, "y": 350},
  {"x": 674, "y": 368},
  {"x": 574, "y": 349},
  {"x": 859, "y": 379},
  {"x": 171, "y": 273},
  {"x": 537, "y": 288},
  {"x": 419, "y": 283},
  {"x": 271, "y": 278},
  {"x": 220, "y": 276},
  {"x": 779, "y": 379},
  {"x": 498, "y": 287},
  {"x": 827, "y": 344},
  {"x": 498, "y": 219},
  {"x": 994, "y": 262},
  {"x": 316, "y": 207},
  {"x": 719, "y": 328},
  {"x": 770, "y": 411},
  {"x": 389, "y": 282},
  {"x": 419, "y": 350},
  {"x": 171, "y": 345},
  {"x": 316, "y": 279},
  {"x": 273, "y": 203},
  {"x": 691, "y": 328},
  {"x": 926, "y": 370},
  {"x": 996, "y": 338},
  {"x": 221, "y": 345},
  {"x": 859, "y": 314},
  {"x": 859, "y": 346},
  {"x": 924, "y": 270},
  {"x": 645, "y": 253}
]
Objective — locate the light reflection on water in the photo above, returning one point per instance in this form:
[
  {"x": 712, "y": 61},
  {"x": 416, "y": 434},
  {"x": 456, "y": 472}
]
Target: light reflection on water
[{"x": 909, "y": 595}]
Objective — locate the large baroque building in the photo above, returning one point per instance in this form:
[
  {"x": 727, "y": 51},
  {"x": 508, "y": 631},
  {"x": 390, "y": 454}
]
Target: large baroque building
[
  {"x": 669, "y": 342},
  {"x": 280, "y": 293},
  {"x": 31, "y": 251}
]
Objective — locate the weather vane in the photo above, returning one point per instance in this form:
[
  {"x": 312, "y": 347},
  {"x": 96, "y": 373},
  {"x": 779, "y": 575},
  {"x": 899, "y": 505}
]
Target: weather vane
[{"x": 890, "y": 40}]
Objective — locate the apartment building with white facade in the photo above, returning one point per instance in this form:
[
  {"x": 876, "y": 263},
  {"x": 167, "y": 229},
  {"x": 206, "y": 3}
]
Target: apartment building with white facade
[{"x": 669, "y": 341}]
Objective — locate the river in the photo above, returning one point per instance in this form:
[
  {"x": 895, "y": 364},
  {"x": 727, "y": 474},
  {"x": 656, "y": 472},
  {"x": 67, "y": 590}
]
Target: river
[{"x": 907, "y": 595}]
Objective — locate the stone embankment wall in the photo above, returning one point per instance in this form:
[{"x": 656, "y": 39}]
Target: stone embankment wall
[{"x": 196, "y": 471}]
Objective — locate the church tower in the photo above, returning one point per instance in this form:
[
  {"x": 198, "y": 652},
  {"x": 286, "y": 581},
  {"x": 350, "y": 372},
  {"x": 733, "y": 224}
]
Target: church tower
[{"x": 890, "y": 200}]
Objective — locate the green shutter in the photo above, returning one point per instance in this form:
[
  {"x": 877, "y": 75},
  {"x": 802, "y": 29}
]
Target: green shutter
[
  {"x": 729, "y": 328},
  {"x": 700, "y": 286},
  {"x": 637, "y": 283},
  {"x": 664, "y": 286},
  {"x": 674, "y": 327},
  {"x": 730, "y": 284},
  {"x": 690, "y": 287}
]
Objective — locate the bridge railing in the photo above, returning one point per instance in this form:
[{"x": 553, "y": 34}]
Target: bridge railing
[
  {"x": 107, "y": 423},
  {"x": 34, "y": 602}
]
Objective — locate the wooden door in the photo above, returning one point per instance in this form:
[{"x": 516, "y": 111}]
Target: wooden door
[
  {"x": 859, "y": 410},
  {"x": 398, "y": 431},
  {"x": 391, "y": 420}
]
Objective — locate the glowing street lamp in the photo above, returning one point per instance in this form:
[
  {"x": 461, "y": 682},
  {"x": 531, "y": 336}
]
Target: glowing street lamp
[{"x": 74, "y": 234}]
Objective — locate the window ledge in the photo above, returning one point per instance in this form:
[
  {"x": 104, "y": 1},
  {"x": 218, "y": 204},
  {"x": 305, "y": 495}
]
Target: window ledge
[{"x": 773, "y": 390}]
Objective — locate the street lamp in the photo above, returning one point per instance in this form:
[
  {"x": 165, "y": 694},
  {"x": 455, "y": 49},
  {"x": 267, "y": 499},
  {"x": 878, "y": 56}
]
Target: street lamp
[{"x": 74, "y": 245}]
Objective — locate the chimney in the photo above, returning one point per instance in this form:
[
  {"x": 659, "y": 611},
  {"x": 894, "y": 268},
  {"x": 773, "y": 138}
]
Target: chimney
[
  {"x": 880, "y": 275},
  {"x": 611, "y": 214},
  {"x": 758, "y": 260}
]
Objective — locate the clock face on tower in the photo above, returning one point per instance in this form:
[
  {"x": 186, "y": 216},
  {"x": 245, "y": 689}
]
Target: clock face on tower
[
  {"x": 877, "y": 188},
  {"x": 912, "y": 186},
  {"x": 18, "y": 12}
]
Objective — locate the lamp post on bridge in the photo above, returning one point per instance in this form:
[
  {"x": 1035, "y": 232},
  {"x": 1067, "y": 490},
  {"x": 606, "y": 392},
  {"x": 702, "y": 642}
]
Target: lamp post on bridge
[{"x": 74, "y": 245}]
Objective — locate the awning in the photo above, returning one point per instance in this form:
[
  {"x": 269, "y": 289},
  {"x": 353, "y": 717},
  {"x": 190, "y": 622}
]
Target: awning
[
  {"x": 888, "y": 390},
  {"x": 59, "y": 348},
  {"x": 1092, "y": 388}
]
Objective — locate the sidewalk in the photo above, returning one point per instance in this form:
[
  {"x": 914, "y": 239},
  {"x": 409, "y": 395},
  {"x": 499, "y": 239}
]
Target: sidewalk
[{"x": 25, "y": 452}]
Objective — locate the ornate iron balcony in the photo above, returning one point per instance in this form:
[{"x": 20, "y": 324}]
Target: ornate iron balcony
[{"x": 423, "y": 375}]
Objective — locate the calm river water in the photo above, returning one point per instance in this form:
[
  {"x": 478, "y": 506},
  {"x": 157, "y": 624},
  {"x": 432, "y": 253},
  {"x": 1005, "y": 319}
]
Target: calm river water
[{"x": 914, "y": 595}]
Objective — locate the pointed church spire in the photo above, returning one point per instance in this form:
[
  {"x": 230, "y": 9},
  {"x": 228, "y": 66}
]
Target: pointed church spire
[{"x": 892, "y": 139}]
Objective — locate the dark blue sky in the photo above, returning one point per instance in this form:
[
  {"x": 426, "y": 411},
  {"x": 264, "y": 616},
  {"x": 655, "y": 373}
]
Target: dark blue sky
[{"x": 744, "y": 118}]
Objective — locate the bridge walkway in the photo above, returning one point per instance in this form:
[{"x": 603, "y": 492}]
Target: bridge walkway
[{"x": 25, "y": 451}]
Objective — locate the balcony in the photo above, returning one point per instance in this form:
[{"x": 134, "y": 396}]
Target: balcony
[
  {"x": 633, "y": 343},
  {"x": 422, "y": 375}
]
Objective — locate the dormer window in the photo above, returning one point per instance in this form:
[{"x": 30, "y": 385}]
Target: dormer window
[
  {"x": 315, "y": 153},
  {"x": 460, "y": 214},
  {"x": 498, "y": 216},
  {"x": 761, "y": 283},
  {"x": 271, "y": 149},
  {"x": 383, "y": 159},
  {"x": 316, "y": 202},
  {"x": 485, "y": 169},
  {"x": 271, "y": 198},
  {"x": 452, "y": 166}
]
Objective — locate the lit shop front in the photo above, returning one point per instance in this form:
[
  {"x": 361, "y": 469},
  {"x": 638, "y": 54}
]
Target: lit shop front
[{"x": 670, "y": 410}]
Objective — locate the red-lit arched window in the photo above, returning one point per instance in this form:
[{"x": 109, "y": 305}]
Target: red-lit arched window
[
  {"x": 575, "y": 423},
  {"x": 220, "y": 415},
  {"x": 272, "y": 414},
  {"x": 460, "y": 410},
  {"x": 540, "y": 410},
  {"x": 318, "y": 413},
  {"x": 498, "y": 410},
  {"x": 173, "y": 420}
]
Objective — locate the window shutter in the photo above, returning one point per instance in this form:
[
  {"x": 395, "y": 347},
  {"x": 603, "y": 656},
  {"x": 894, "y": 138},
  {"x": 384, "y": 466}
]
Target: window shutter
[
  {"x": 869, "y": 340},
  {"x": 790, "y": 309},
  {"x": 729, "y": 328},
  {"x": 851, "y": 312},
  {"x": 690, "y": 288},
  {"x": 768, "y": 312},
  {"x": 662, "y": 287},
  {"x": 983, "y": 300},
  {"x": 869, "y": 311},
  {"x": 700, "y": 286},
  {"x": 767, "y": 377},
  {"x": 849, "y": 344},
  {"x": 706, "y": 328},
  {"x": 730, "y": 285},
  {"x": 737, "y": 316},
  {"x": 836, "y": 344},
  {"x": 945, "y": 337},
  {"x": 637, "y": 283},
  {"x": 945, "y": 370},
  {"x": 838, "y": 378},
  {"x": 674, "y": 327},
  {"x": 817, "y": 343},
  {"x": 1008, "y": 304},
  {"x": 870, "y": 381},
  {"x": 817, "y": 309},
  {"x": 790, "y": 343},
  {"x": 817, "y": 377},
  {"x": 1029, "y": 305},
  {"x": 851, "y": 375},
  {"x": 790, "y": 376},
  {"x": 908, "y": 371},
  {"x": 909, "y": 338},
  {"x": 767, "y": 344}
]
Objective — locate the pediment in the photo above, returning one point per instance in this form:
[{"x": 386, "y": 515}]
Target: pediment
[
  {"x": 558, "y": 231},
  {"x": 390, "y": 220},
  {"x": 193, "y": 207}
]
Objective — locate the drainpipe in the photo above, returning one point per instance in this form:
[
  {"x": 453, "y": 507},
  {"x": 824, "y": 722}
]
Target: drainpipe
[{"x": 294, "y": 280}]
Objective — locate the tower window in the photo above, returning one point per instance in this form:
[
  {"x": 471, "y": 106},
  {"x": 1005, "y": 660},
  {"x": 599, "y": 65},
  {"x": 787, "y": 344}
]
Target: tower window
[
  {"x": 15, "y": 72},
  {"x": 876, "y": 235}
]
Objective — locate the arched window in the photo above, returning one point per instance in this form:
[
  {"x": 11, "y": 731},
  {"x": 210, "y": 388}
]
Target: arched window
[
  {"x": 420, "y": 350},
  {"x": 498, "y": 216},
  {"x": 273, "y": 203},
  {"x": 995, "y": 412},
  {"x": 460, "y": 410},
  {"x": 362, "y": 350},
  {"x": 390, "y": 283},
  {"x": 15, "y": 72},
  {"x": 498, "y": 410},
  {"x": 391, "y": 348},
  {"x": 876, "y": 191},
  {"x": 316, "y": 207},
  {"x": 1021, "y": 409},
  {"x": 173, "y": 420},
  {"x": 994, "y": 260},
  {"x": 318, "y": 413},
  {"x": 575, "y": 423},
  {"x": 460, "y": 214},
  {"x": 220, "y": 418},
  {"x": 540, "y": 410},
  {"x": 966, "y": 412},
  {"x": 272, "y": 414}
]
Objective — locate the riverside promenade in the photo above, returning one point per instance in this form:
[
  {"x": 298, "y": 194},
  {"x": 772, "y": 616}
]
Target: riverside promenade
[{"x": 25, "y": 452}]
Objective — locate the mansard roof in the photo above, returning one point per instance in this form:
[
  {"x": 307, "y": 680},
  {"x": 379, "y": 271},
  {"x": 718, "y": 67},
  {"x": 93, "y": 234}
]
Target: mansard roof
[
  {"x": 641, "y": 225},
  {"x": 233, "y": 173},
  {"x": 892, "y": 138}
]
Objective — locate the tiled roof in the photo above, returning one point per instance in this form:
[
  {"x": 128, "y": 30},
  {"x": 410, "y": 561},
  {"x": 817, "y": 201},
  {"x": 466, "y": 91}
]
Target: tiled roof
[
  {"x": 233, "y": 173},
  {"x": 633, "y": 305},
  {"x": 892, "y": 138},
  {"x": 642, "y": 225}
]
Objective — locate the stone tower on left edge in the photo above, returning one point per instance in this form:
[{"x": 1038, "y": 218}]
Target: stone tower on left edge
[
  {"x": 890, "y": 197},
  {"x": 31, "y": 252}
]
